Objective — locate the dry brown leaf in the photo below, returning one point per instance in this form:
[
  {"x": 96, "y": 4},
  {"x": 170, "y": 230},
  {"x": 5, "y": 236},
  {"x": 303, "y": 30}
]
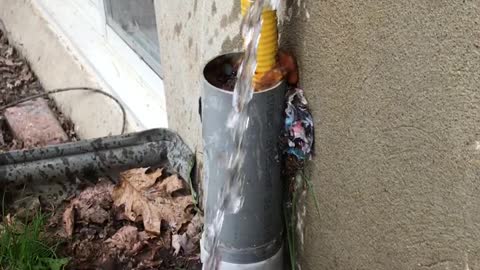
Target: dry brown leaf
[
  {"x": 27, "y": 76},
  {"x": 9, "y": 220},
  {"x": 2, "y": 139},
  {"x": 179, "y": 242},
  {"x": 69, "y": 220},
  {"x": 149, "y": 265},
  {"x": 9, "y": 52},
  {"x": 153, "y": 201},
  {"x": 194, "y": 228},
  {"x": 10, "y": 62},
  {"x": 189, "y": 240},
  {"x": 91, "y": 205},
  {"x": 14, "y": 224},
  {"x": 143, "y": 177},
  {"x": 25, "y": 212},
  {"x": 185, "y": 243},
  {"x": 129, "y": 239}
]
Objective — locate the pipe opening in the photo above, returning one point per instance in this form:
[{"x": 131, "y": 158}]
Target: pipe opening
[{"x": 221, "y": 73}]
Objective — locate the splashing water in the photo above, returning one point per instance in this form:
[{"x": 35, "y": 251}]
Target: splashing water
[{"x": 230, "y": 198}]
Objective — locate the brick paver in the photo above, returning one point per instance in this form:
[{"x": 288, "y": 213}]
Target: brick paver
[{"x": 34, "y": 124}]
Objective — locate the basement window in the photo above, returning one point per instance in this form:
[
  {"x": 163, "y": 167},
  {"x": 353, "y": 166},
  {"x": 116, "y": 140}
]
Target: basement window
[
  {"x": 134, "y": 21},
  {"x": 118, "y": 40}
]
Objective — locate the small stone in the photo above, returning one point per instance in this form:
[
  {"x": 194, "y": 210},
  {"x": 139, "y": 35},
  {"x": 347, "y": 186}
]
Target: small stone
[{"x": 34, "y": 124}]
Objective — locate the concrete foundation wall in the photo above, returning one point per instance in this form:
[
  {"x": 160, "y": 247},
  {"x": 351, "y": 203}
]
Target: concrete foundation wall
[
  {"x": 394, "y": 89},
  {"x": 57, "y": 65},
  {"x": 191, "y": 32}
]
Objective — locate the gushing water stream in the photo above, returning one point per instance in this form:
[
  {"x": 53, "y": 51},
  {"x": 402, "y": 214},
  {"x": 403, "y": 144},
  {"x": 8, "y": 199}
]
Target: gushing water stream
[{"x": 230, "y": 198}]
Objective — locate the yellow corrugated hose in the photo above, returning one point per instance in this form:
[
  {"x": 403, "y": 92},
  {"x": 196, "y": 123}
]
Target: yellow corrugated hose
[{"x": 268, "y": 44}]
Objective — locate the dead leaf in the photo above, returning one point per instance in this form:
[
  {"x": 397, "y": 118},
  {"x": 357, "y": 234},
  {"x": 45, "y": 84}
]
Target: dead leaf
[
  {"x": 185, "y": 243},
  {"x": 128, "y": 239},
  {"x": 87, "y": 250},
  {"x": 13, "y": 224},
  {"x": 2, "y": 139},
  {"x": 9, "y": 52},
  {"x": 5, "y": 70},
  {"x": 91, "y": 206},
  {"x": 69, "y": 220},
  {"x": 9, "y": 220},
  {"x": 194, "y": 228},
  {"x": 179, "y": 242},
  {"x": 26, "y": 75},
  {"x": 151, "y": 200},
  {"x": 167, "y": 188},
  {"x": 92, "y": 203},
  {"x": 94, "y": 214},
  {"x": 23, "y": 212},
  {"x": 143, "y": 177},
  {"x": 190, "y": 239},
  {"x": 149, "y": 265},
  {"x": 11, "y": 63}
]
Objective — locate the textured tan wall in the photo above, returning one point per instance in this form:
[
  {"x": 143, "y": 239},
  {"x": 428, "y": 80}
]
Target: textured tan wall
[
  {"x": 191, "y": 32},
  {"x": 395, "y": 91}
]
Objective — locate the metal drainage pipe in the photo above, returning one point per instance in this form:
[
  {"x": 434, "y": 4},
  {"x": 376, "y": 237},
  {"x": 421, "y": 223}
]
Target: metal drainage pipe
[
  {"x": 97, "y": 157},
  {"x": 253, "y": 237}
]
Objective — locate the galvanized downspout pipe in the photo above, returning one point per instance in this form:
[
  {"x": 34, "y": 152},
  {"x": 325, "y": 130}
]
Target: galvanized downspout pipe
[
  {"x": 253, "y": 237},
  {"x": 97, "y": 157}
]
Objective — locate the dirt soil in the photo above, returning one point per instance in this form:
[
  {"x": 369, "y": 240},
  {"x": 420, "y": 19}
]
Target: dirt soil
[{"x": 17, "y": 81}]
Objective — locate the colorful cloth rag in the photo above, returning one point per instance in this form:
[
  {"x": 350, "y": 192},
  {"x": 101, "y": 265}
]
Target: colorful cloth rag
[{"x": 299, "y": 130}]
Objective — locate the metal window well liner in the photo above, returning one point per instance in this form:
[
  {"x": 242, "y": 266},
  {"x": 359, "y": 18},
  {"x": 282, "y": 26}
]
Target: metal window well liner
[
  {"x": 97, "y": 157},
  {"x": 252, "y": 238}
]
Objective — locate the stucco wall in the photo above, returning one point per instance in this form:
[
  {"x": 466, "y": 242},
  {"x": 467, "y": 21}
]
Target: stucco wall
[
  {"x": 191, "y": 32},
  {"x": 393, "y": 87}
]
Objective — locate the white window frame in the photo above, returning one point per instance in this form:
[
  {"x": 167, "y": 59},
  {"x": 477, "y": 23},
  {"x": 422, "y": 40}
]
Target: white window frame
[
  {"x": 83, "y": 24},
  {"x": 154, "y": 63}
]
